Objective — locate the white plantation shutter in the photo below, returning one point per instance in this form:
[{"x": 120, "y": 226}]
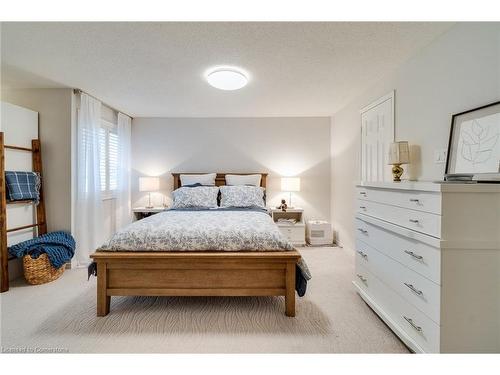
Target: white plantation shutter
[
  {"x": 102, "y": 158},
  {"x": 113, "y": 160},
  {"x": 109, "y": 148}
]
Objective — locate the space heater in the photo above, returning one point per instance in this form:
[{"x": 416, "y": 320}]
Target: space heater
[{"x": 319, "y": 232}]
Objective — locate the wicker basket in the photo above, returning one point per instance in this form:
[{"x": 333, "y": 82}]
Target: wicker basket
[{"x": 40, "y": 271}]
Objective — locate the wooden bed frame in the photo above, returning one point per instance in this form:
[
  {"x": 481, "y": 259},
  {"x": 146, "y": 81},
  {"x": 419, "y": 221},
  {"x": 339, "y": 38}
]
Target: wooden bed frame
[{"x": 208, "y": 273}]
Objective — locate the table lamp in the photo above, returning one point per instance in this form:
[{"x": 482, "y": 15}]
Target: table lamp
[
  {"x": 290, "y": 184},
  {"x": 149, "y": 184},
  {"x": 399, "y": 153}
]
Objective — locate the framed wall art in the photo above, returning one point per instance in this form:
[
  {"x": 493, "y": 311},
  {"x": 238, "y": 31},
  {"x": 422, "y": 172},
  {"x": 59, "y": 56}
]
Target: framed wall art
[{"x": 474, "y": 144}]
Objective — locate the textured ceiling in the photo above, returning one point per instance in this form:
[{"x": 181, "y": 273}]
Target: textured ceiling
[{"x": 156, "y": 69}]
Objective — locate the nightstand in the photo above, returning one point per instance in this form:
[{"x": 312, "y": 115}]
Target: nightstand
[
  {"x": 142, "y": 212},
  {"x": 293, "y": 232}
]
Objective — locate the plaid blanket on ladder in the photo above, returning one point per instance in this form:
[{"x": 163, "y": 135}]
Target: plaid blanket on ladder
[{"x": 23, "y": 186}]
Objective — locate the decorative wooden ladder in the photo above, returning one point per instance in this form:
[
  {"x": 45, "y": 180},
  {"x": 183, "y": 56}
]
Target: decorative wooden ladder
[{"x": 40, "y": 224}]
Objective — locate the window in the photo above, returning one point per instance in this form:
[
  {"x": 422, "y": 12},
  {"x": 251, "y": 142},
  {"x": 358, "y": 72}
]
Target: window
[{"x": 108, "y": 148}]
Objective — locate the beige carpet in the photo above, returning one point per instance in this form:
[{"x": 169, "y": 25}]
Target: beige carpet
[{"x": 331, "y": 318}]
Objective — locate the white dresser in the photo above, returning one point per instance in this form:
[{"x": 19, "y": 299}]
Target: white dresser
[{"x": 428, "y": 262}]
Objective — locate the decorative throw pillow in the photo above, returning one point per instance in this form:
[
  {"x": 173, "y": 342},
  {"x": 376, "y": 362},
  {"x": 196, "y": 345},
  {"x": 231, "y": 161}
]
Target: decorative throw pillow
[
  {"x": 199, "y": 197},
  {"x": 242, "y": 196},
  {"x": 207, "y": 179},
  {"x": 249, "y": 179}
]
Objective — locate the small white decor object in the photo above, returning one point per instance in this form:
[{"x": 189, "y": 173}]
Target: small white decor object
[
  {"x": 290, "y": 184},
  {"x": 319, "y": 232},
  {"x": 399, "y": 153},
  {"x": 474, "y": 145},
  {"x": 149, "y": 184}
]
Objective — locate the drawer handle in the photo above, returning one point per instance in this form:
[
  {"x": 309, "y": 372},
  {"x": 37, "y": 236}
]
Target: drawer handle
[
  {"x": 364, "y": 231},
  {"x": 415, "y": 221},
  {"x": 414, "y": 290},
  {"x": 414, "y": 200},
  {"x": 363, "y": 279},
  {"x": 362, "y": 192},
  {"x": 412, "y": 254},
  {"x": 364, "y": 255},
  {"x": 410, "y": 321},
  {"x": 362, "y": 207}
]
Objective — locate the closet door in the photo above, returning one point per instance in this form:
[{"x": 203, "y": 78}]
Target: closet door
[{"x": 377, "y": 132}]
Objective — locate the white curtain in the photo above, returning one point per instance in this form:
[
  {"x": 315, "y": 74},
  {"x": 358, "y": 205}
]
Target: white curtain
[
  {"x": 123, "y": 196},
  {"x": 89, "y": 213}
]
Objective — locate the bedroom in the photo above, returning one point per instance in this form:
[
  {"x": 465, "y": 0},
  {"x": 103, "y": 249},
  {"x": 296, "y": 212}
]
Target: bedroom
[{"x": 231, "y": 187}]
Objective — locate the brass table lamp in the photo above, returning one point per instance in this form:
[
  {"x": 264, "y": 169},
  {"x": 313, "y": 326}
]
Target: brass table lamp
[{"x": 399, "y": 153}]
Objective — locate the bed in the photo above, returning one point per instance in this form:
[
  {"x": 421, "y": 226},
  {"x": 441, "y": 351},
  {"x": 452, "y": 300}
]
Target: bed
[{"x": 161, "y": 256}]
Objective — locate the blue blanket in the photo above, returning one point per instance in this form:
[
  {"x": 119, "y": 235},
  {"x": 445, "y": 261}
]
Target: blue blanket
[
  {"x": 22, "y": 186},
  {"x": 59, "y": 247}
]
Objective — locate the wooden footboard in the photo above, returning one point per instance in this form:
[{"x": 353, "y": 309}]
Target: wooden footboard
[{"x": 195, "y": 274}]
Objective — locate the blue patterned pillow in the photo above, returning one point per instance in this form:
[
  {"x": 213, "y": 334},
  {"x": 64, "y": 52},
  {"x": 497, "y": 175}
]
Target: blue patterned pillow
[
  {"x": 242, "y": 196},
  {"x": 198, "y": 196}
]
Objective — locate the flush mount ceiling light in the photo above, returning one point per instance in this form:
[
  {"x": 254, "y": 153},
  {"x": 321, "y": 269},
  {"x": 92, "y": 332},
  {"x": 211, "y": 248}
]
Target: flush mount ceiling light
[{"x": 227, "y": 78}]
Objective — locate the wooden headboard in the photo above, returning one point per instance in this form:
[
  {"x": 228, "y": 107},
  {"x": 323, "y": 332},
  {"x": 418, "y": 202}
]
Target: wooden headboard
[{"x": 220, "y": 179}]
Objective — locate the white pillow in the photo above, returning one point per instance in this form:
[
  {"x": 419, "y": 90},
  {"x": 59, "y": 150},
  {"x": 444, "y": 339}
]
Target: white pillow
[
  {"x": 200, "y": 196},
  {"x": 242, "y": 196},
  {"x": 204, "y": 179},
  {"x": 250, "y": 179}
]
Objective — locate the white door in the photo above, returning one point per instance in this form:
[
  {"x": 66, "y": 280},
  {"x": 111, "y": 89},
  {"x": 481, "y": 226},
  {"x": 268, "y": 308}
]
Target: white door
[{"x": 377, "y": 132}]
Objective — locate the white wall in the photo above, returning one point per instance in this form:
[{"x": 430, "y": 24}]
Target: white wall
[
  {"x": 54, "y": 107},
  {"x": 279, "y": 146},
  {"x": 458, "y": 71},
  {"x": 20, "y": 126}
]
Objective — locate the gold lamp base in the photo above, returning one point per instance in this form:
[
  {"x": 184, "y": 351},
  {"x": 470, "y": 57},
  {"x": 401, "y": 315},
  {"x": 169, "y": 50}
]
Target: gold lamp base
[{"x": 397, "y": 171}]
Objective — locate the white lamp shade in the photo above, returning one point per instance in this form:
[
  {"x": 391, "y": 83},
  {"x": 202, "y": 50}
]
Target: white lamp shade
[
  {"x": 399, "y": 153},
  {"x": 149, "y": 183},
  {"x": 290, "y": 184}
]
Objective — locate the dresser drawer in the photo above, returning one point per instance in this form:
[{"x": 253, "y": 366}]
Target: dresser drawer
[
  {"x": 418, "y": 256},
  {"x": 412, "y": 287},
  {"x": 410, "y": 322},
  {"x": 294, "y": 234},
  {"x": 419, "y": 221},
  {"x": 412, "y": 199}
]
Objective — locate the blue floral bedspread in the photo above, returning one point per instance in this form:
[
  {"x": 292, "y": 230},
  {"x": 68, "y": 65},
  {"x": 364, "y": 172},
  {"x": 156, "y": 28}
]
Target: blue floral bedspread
[{"x": 201, "y": 230}]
